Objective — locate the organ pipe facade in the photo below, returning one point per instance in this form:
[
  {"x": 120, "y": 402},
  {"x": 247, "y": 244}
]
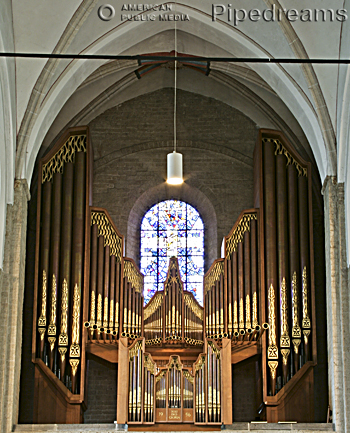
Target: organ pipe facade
[{"x": 174, "y": 356}]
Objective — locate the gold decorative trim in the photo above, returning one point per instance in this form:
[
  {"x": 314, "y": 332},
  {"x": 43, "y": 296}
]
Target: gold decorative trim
[
  {"x": 99, "y": 310},
  {"x": 237, "y": 235},
  {"x": 235, "y": 316},
  {"x": 116, "y": 319},
  {"x": 74, "y": 363},
  {"x": 188, "y": 376},
  {"x": 63, "y": 338},
  {"x": 149, "y": 364},
  {"x": 133, "y": 276},
  {"x": 133, "y": 351},
  {"x": 285, "y": 339},
  {"x": 281, "y": 150},
  {"x": 200, "y": 363},
  {"x": 42, "y": 333},
  {"x": 52, "y": 341},
  {"x": 296, "y": 331},
  {"x": 296, "y": 344},
  {"x": 111, "y": 237},
  {"x": 111, "y": 313},
  {"x": 272, "y": 351},
  {"x": 241, "y": 314},
  {"x": 306, "y": 316},
  {"x": 105, "y": 313},
  {"x": 153, "y": 306},
  {"x": 215, "y": 350},
  {"x": 52, "y": 325},
  {"x": 306, "y": 333},
  {"x": 62, "y": 351},
  {"x": 285, "y": 353},
  {"x": 66, "y": 153},
  {"x": 255, "y": 310},
  {"x": 75, "y": 348},
  {"x": 214, "y": 275},
  {"x": 92, "y": 307},
  {"x": 248, "y": 323},
  {"x": 42, "y": 318},
  {"x": 230, "y": 317},
  {"x": 193, "y": 306},
  {"x": 160, "y": 375},
  {"x": 273, "y": 368}
]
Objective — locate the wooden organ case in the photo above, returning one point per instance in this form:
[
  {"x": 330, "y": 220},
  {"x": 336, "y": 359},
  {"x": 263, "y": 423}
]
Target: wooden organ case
[{"x": 174, "y": 356}]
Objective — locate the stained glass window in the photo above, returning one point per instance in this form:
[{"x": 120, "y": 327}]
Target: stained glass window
[{"x": 172, "y": 228}]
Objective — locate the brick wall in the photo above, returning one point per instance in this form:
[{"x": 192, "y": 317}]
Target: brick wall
[
  {"x": 131, "y": 142},
  {"x": 101, "y": 392}
]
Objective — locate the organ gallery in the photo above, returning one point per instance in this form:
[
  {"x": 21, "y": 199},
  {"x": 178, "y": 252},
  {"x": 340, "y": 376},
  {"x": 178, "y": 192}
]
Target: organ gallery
[{"x": 176, "y": 359}]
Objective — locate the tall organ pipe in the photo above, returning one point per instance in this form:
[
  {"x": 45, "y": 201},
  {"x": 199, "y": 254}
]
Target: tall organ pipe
[
  {"x": 112, "y": 292},
  {"x": 93, "y": 274},
  {"x": 44, "y": 264},
  {"x": 106, "y": 286},
  {"x": 54, "y": 263},
  {"x": 65, "y": 268},
  {"x": 235, "y": 291},
  {"x": 229, "y": 298},
  {"x": 304, "y": 261},
  {"x": 254, "y": 272},
  {"x": 294, "y": 262},
  {"x": 247, "y": 281},
  {"x": 269, "y": 177},
  {"x": 100, "y": 274},
  {"x": 282, "y": 252},
  {"x": 117, "y": 297},
  {"x": 77, "y": 261},
  {"x": 241, "y": 284}
]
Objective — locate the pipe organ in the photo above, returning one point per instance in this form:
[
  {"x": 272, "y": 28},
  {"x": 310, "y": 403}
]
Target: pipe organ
[
  {"x": 174, "y": 356},
  {"x": 106, "y": 246},
  {"x": 173, "y": 314},
  {"x": 132, "y": 307}
]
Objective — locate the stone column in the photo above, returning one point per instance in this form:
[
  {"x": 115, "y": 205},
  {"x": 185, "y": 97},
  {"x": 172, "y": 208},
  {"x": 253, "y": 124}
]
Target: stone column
[
  {"x": 11, "y": 305},
  {"x": 338, "y": 318}
]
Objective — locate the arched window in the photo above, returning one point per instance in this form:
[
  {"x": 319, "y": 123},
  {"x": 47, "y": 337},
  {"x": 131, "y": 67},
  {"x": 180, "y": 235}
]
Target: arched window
[{"x": 172, "y": 228}]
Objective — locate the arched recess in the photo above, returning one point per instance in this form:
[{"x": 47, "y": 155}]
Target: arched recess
[{"x": 186, "y": 193}]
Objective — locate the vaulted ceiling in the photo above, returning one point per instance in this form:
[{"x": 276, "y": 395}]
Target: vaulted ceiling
[{"x": 309, "y": 102}]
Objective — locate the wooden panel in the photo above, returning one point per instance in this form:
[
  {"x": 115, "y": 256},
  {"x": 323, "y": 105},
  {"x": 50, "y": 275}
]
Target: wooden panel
[
  {"x": 108, "y": 352},
  {"x": 55, "y": 404},
  {"x": 226, "y": 382},
  {"x": 174, "y": 415},
  {"x": 161, "y": 415},
  {"x": 295, "y": 401},
  {"x": 187, "y": 415},
  {"x": 123, "y": 376}
]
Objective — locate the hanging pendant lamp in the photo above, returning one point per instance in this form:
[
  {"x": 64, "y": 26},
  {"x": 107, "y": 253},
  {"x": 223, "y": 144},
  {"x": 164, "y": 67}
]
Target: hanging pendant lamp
[
  {"x": 174, "y": 171},
  {"x": 174, "y": 159}
]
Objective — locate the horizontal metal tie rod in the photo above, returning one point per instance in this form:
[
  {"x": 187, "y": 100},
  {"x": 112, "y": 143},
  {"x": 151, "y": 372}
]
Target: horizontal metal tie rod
[{"x": 141, "y": 58}]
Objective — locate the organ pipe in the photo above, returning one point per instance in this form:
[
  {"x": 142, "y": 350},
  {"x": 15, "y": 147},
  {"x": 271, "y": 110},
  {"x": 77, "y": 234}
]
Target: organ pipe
[
  {"x": 294, "y": 262},
  {"x": 282, "y": 253},
  {"x": 304, "y": 261},
  {"x": 270, "y": 255}
]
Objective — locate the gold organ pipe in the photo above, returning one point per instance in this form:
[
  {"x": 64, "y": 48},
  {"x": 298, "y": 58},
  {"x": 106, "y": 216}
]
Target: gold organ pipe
[{"x": 130, "y": 296}]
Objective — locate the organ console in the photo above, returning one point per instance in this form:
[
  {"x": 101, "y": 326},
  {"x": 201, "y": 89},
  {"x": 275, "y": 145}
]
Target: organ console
[{"x": 175, "y": 356}]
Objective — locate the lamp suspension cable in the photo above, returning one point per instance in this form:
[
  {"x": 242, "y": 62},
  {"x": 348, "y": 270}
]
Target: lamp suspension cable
[
  {"x": 175, "y": 82},
  {"x": 174, "y": 159}
]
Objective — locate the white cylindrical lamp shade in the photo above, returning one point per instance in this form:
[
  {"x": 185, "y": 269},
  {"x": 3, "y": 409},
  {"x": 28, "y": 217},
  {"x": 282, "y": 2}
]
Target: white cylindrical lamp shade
[{"x": 174, "y": 168}]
